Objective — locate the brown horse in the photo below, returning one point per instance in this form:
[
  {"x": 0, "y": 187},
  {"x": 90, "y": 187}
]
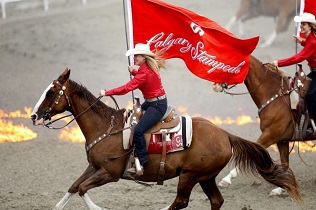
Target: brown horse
[
  {"x": 283, "y": 10},
  {"x": 269, "y": 89},
  {"x": 209, "y": 152}
]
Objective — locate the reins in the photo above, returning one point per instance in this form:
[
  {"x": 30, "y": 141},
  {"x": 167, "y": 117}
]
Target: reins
[
  {"x": 60, "y": 94},
  {"x": 261, "y": 82},
  {"x": 51, "y": 122},
  {"x": 97, "y": 140},
  {"x": 248, "y": 92}
]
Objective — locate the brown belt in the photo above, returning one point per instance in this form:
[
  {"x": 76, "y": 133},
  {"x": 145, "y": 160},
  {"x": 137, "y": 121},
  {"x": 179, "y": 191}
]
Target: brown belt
[{"x": 156, "y": 98}]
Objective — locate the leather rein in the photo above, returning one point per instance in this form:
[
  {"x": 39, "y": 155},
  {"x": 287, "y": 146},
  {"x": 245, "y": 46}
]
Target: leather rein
[
  {"x": 248, "y": 92},
  {"x": 272, "y": 98},
  {"x": 60, "y": 94}
]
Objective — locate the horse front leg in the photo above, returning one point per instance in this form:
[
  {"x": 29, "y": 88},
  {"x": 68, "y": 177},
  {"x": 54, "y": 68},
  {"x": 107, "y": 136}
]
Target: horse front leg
[
  {"x": 90, "y": 203},
  {"x": 100, "y": 177},
  {"x": 74, "y": 188},
  {"x": 62, "y": 203}
]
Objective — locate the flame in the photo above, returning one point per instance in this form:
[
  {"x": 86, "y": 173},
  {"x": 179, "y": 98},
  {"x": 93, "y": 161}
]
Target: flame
[
  {"x": 304, "y": 147},
  {"x": 240, "y": 120},
  {"x": 9, "y": 132},
  {"x": 73, "y": 134},
  {"x": 15, "y": 133},
  {"x": 301, "y": 147},
  {"x": 16, "y": 114}
]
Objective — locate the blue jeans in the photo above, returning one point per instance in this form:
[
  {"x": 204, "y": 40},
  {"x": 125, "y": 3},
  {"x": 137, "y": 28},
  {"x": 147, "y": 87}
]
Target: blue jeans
[
  {"x": 311, "y": 99},
  {"x": 311, "y": 96},
  {"x": 154, "y": 111}
]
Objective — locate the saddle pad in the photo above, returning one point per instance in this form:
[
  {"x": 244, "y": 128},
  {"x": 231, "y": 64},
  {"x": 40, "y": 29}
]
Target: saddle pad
[
  {"x": 127, "y": 132},
  {"x": 294, "y": 98},
  {"x": 176, "y": 141}
]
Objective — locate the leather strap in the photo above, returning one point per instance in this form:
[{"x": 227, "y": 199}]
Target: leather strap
[{"x": 161, "y": 175}]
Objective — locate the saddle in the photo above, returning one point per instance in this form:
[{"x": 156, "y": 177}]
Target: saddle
[
  {"x": 169, "y": 123},
  {"x": 302, "y": 82}
]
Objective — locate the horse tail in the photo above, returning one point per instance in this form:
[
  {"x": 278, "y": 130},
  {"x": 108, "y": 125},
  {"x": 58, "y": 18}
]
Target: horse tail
[{"x": 252, "y": 159}]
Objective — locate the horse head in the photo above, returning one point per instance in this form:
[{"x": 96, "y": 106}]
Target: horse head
[
  {"x": 54, "y": 100},
  {"x": 303, "y": 82}
]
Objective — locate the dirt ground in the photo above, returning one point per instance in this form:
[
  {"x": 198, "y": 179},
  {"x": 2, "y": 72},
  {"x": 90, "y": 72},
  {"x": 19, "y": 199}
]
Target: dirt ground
[{"x": 36, "y": 46}]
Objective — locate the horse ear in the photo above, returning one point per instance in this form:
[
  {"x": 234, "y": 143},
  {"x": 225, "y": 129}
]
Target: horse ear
[{"x": 64, "y": 76}]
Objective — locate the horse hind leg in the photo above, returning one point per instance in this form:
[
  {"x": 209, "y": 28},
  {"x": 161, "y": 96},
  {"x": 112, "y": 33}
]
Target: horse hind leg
[
  {"x": 231, "y": 22},
  {"x": 227, "y": 180},
  {"x": 234, "y": 20},
  {"x": 270, "y": 39},
  {"x": 184, "y": 190},
  {"x": 214, "y": 195}
]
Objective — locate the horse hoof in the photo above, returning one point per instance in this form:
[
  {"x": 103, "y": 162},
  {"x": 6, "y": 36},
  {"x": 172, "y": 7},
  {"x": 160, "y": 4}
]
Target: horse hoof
[
  {"x": 277, "y": 191},
  {"x": 224, "y": 184}
]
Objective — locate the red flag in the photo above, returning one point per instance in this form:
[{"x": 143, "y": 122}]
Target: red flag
[
  {"x": 308, "y": 6},
  {"x": 209, "y": 51}
]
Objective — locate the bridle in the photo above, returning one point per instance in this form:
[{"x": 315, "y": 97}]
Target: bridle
[
  {"x": 47, "y": 114},
  {"x": 108, "y": 133},
  {"x": 61, "y": 93}
]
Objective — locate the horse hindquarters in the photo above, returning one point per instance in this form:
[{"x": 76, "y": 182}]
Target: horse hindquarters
[
  {"x": 252, "y": 158},
  {"x": 208, "y": 154}
]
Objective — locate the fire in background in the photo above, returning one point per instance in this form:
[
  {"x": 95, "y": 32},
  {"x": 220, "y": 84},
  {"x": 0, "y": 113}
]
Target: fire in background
[{"x": 10, "y": 132}]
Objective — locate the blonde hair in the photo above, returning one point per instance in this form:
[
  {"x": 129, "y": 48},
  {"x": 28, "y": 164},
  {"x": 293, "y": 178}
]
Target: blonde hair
[
  {"x": 156, "y": 63},
  {"x": 313, "y": 27}
]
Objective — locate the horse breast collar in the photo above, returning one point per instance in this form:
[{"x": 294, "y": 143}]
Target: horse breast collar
[{"x": 273, "y": 98}]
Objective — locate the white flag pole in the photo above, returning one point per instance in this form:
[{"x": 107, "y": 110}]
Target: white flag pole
[{"x": 127, "y": 8}]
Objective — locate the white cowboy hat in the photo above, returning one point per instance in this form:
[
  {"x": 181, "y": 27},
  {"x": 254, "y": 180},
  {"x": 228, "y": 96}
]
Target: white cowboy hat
[
  {"x": 306, "y": 17},
  {"x": 140, "y": 49}
]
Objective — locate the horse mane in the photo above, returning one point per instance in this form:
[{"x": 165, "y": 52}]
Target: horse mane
[
  {"x": 273, "y": 69},
  {"x": 99, "y": 107}
]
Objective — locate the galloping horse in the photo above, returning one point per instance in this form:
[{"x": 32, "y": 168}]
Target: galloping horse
[
  {"x": 269, "y": 89},
  {"x": 283, "y": 10},
  {"x": 210, "y": 150}
]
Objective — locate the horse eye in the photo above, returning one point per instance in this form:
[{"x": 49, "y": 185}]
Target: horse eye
[{"x": 50, "y": 92}]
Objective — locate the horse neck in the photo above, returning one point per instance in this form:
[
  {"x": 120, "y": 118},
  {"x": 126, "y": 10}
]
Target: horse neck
[
  {"x": 261, "y": 83},
  {"x": 91, "y": 123}
]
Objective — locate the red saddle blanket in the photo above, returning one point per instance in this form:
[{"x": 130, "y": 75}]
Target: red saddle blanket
[{"x": 177, "y": 141}]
